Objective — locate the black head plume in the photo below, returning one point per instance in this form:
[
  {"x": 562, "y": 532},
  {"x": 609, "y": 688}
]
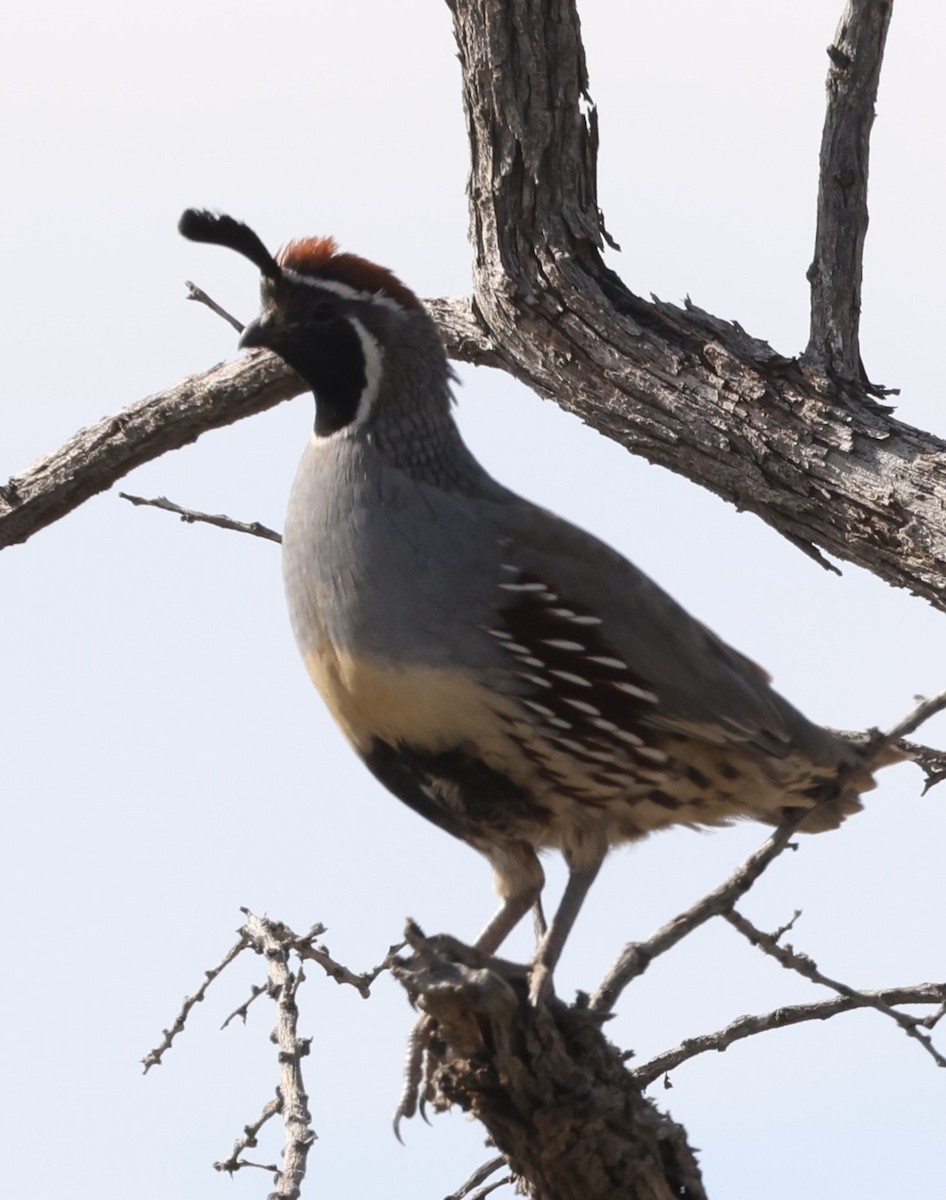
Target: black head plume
[{"x": 201, "y": 225}]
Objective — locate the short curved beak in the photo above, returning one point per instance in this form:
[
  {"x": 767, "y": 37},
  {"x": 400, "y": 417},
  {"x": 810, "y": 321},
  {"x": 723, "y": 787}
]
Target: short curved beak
[{"x": 254, "y": 336}]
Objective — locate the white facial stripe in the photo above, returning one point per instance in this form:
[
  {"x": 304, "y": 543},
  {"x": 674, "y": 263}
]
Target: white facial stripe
[
  {"x": 344, "y": 290},
  {"x": 371, "y": 349}
]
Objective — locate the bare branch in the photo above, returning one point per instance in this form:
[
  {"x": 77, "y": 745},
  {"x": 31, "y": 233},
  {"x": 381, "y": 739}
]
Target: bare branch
[
  {"x": 257, "y": 990},
  {"x": 100, "y": 455},
  {"x": 637, "y": 956},
  {"x": 930, "y": 760},
  {"x": 480, "y": 1175},
  {"x": 249, "y": 1141},
  {"x": 812, "y": 456},
  {"x": 934, "y": 1019},
  {"x": 782, "y": 1018},
  {"x": 489, "y": 1188},
  {"x": 198, "y": 294},
  {"x": 341, "y": 974},
  {"x": 269, "y": 939},
  {"x": 835, "y": 273},
  {"x": 911, "y": 722},
  {"x": 154, "y": 1057},
  {"x": 191, "y": 517},
  {"x": 464, "y": 334},
  {"x": 793, "y": 960}
]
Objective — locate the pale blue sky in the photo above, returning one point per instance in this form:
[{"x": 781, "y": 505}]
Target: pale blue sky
[{"x": 165, "y": 759}]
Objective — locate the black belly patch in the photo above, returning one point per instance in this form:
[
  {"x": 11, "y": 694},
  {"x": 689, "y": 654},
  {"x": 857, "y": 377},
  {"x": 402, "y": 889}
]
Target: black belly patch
[{"x": 456, "y": 790}]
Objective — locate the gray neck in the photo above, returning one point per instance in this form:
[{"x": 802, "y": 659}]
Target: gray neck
[{"x": 411, "y": 421}]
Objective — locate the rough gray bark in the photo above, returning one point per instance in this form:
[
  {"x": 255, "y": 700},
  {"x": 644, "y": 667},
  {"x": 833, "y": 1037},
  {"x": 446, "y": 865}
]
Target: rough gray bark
[
  {"x": 98, "y": 456},
  {"x": 835, "y": 272},
  {"x": 552, "y": 1091},
  {"x": 809, "y": 453}
]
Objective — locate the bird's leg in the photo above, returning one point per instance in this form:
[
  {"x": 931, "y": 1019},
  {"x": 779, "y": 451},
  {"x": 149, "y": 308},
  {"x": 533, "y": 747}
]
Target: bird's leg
[
  {"x": 581, "y": 875},
  {"x": 518, "y": 878},
  {"x": 538, "y": 920}
]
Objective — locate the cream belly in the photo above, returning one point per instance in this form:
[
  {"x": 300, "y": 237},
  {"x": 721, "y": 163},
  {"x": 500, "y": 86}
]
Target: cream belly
[
  {"x": 432, "y": 708},
  {"x": 436, "y": 710}
]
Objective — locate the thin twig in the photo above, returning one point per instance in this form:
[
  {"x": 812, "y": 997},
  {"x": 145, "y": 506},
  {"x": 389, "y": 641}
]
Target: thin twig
[
  {"x": 930, "y": 759},
  {"x": 153, "y": 1059},
  {"x": 480, "y": 1175},
  {"x": 782, "y": 1018},
  {"x": 98, "y": 456},
  {"x": 341, "y": 974},
  {"x": 257, "y": 990},
  {"x": 637, "y": 956},
  {"x": 198, "y": 294},
  {"x": 912, "y": 721},
  {"x": 191, "y": 516},
  {"x": 934, "y": 1019},
  {"x": 836, "y": 271},
  {"x": 793, "y": 960},
  {"x": 249, "y": 1139},
  {"x": 492, "y": 1187}
]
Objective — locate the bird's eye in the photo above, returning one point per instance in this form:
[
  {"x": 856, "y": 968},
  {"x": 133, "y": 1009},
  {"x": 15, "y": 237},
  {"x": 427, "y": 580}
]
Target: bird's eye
[{"x": 323, "y": 312}]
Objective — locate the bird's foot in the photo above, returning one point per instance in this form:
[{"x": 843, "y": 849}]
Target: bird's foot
[
  {"x": 541, "y": 988},
  {"x": 415, "y": 1091}
]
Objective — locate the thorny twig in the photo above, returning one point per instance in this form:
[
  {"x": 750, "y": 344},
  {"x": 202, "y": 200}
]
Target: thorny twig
[
  {"x": 268, "y": 939},
  {"x": 154, "y": 1057},
  {"x": 341, "y": 974},
  {"x": 249, "y": 1140},
  {"x": 276, "y": 942},
  {"x": 257, "y": 990}
]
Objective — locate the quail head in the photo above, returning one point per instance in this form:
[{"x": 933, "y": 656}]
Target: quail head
[{"x": 508, "y": 676}]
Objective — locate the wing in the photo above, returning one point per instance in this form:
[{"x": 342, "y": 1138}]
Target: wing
[{"x": 571, "y": 596}]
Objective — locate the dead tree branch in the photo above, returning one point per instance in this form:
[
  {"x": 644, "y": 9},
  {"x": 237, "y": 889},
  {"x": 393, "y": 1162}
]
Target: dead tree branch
[
  {"x": 191, "y": 517},
  {"x": 794, "y": 960},
  {"x": 479, "y": 1176},
  {"x": 552, "y": 1092},
  {"x": 277, "y": 943},
  {"x": 269, "y": 939},
  {"x": 809, "y": 454},
  {"x": 200, "y": 296},
  {"x": 154, "y": 1057},
  {"x": 101, "y": 454},
  {"x": 249, "y": 1140},
  {"x": 813, "y": 458},
  {"x": 637, "y": 956},
  {"x": 782, "y": 1018},
  {"x": 835, "y": 273}
]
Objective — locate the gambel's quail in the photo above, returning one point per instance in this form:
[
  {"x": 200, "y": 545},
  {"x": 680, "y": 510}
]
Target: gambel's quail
[{"x": 505, "y": 674}]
